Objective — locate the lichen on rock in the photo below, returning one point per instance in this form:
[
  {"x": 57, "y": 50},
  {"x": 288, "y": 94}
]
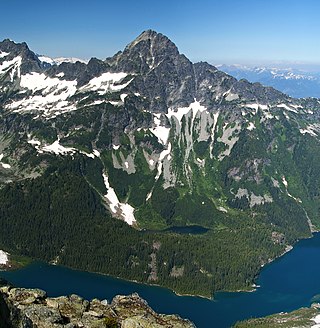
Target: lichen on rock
[{"x": 21, "y": 307}]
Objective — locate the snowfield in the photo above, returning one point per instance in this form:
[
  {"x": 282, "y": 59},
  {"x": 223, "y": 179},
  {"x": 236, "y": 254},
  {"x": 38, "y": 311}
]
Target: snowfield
[{"x": 3, "y": 258}]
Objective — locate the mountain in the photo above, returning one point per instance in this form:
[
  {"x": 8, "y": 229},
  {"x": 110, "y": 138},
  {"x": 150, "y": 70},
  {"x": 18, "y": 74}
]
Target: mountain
[
  {"x": 293, "y": 82},
  {"x": 149, "y": 167}
]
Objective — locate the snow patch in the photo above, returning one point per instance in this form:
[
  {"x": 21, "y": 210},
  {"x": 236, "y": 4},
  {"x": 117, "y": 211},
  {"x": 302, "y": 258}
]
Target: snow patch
[
  {"x": 222, "y": 209},
  {"x": 87, "y": 154},
  {"x": 14, "y": 63},
  {"x": 107, "y": 82},
  {"x": 179, "y": 113},
  {"x": 161, "y": 132},
  {"x": 215, "y": 121},
  {"x": 286, "y": 107},
  {"x": 36, "y": 81},
  {"x": 316, "y": 319},
  {"x": 96, "y": 153},
  {"x": 52, "y": 94},
  {"x": 308, "y": 130},
  {"x": 162, "y": 156},
  {"x": 251, "y": 126},
  {"x": 115, "y": 103},
  {"x": 253, "y": 106},
  {"x": 34, "y": 142},
  {"x": 195, "y": 107},
  {"x": 127, "y": 213},
  {"x": 123, "y": 97},
  {"x": 3, "y": 54},
  {"x": 149, "y": 195},
  {"x": 4, "y": 257},
  {"x": 284, "y": 181},
  {"x": 4, "y": 165},
  {"x": 124, "y": 210},
  {"x": 58, "y": 149}
]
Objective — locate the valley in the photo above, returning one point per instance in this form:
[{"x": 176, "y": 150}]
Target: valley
[{"x": 105, "y": 157}]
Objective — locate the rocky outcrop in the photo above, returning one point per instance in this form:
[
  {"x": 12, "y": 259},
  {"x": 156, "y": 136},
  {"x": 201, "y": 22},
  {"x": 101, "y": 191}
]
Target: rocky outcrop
[
  {"x": 303, "y": 317},
  {"x": 28, "y": 308}
]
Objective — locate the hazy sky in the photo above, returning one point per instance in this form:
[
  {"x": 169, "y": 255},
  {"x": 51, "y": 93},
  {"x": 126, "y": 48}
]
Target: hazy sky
[{"x": 225, "y": 31}]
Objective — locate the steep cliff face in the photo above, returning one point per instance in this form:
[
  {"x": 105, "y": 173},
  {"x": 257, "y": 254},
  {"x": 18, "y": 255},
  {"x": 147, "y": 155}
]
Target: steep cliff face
[
  {"x": 152, "y": 140},
  {"x": 31, "y": 308}
]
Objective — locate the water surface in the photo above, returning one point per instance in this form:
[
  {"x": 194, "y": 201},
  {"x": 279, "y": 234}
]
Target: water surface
[
  {"x": 288, "y": 283},
  {"x": 193, "y": 230}
]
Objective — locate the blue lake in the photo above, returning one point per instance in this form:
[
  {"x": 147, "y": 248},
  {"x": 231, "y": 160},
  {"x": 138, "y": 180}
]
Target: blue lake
[{"x": 288, "y": 283}]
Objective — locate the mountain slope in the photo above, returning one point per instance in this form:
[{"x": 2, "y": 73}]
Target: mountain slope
[{"x": 151, "y": 139}]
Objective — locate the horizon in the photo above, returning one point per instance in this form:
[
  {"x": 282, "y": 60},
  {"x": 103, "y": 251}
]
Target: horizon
[{"x": 250, "y": 33}]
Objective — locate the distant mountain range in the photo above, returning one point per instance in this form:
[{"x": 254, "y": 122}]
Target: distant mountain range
[
  {"x": 293, "y": 82},
  {"x": 149, "y": 167},
  {"x": 59, "y": 60}
]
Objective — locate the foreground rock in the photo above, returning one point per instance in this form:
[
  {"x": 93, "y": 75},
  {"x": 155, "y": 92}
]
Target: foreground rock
[
  {"x": 28, "y": 308},
  {"x": 304, "y": 317}
]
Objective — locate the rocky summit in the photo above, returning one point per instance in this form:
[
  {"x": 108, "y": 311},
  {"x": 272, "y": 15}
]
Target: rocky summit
[
  {"x": 117, "y": 164},
  {"x": 28, "y": 308}
]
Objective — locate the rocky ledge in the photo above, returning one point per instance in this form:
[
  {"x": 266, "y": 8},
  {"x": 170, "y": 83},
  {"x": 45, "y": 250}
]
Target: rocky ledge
[
  {"x": 301, "y": 318},
  {"x": 30, "y": 308}
]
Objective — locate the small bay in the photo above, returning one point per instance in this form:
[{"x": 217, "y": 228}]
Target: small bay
[{"x": 288, "y": 283}]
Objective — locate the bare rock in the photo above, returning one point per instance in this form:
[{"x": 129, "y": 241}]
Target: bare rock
[{"x": 29, "y": 308}]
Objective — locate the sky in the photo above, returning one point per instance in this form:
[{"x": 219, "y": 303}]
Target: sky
[{"x": 251, "y": 32}]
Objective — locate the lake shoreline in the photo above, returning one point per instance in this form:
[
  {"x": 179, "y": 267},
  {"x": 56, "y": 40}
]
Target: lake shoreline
[
  {"x": 11, "y": 267},
  {"x": 276, "y": 293}
]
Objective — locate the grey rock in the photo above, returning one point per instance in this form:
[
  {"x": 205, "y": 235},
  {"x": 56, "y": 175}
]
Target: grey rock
[{"x": 26, "y": 308}]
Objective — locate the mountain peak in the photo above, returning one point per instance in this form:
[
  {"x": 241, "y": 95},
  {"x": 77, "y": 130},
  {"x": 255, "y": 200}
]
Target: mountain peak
[
  {"x": 30, "y": 61},
  {"x": 145, "y": 53},
  {"x": 148, "y": 34},
  {"x": 152, "y": 39},
  {"x": 8, "y": 45}
]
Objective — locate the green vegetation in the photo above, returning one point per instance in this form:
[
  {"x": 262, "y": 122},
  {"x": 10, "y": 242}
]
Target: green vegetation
[
  {"x": 62, "y": 218},
  {"x": 299, "y": 318},
  {"x": 110, "y": 322},
  {"x": 18, "y": 261}
]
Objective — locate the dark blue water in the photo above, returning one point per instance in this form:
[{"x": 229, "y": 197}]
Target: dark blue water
[
  {"x": 288, "y": 283},
  {"x": 193, "y": 230}
]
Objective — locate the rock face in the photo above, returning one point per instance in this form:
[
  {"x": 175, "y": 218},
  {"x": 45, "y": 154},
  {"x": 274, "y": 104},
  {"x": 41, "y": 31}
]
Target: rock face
[{"x": 28, "y": 308}]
